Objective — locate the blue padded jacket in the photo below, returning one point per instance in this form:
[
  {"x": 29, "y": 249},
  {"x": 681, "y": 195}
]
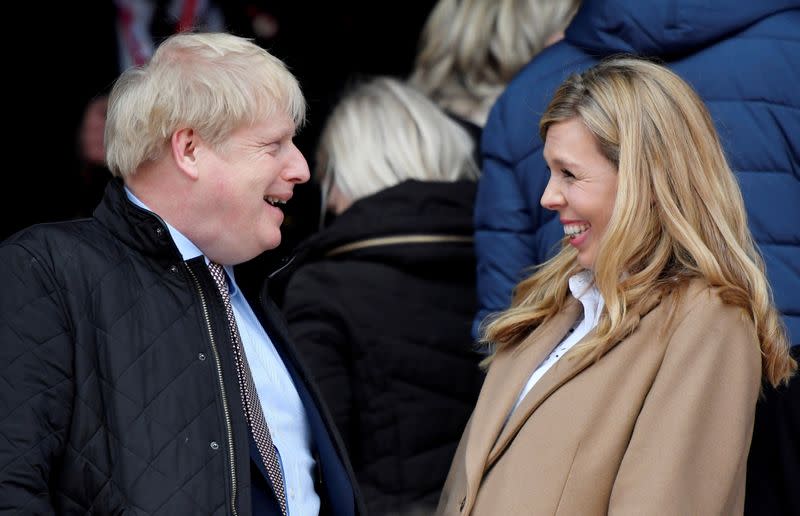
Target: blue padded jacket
[{"x": 743, "y": 58}]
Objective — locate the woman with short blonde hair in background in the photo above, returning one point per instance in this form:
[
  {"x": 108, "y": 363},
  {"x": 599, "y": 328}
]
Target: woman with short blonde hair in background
[
  {"x": 627, "y": 369},
  {"x": 381, "y": 302}
]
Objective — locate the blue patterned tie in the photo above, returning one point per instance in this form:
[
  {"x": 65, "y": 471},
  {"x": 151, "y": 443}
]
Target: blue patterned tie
[{"x": 252, "y": 405}]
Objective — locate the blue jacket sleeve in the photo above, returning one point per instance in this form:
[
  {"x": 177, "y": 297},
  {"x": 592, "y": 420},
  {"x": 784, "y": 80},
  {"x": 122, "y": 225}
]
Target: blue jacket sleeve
[{"x": 512, "y": 231}]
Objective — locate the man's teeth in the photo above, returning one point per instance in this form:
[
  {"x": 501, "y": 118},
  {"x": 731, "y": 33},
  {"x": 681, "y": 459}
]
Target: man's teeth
[
  {"x": 274, "y": 201},
  {"x": 573, "y": 230}
]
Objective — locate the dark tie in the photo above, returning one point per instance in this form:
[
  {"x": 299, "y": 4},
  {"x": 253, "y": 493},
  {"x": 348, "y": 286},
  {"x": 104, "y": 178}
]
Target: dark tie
[{"x": 252, "y": 405}]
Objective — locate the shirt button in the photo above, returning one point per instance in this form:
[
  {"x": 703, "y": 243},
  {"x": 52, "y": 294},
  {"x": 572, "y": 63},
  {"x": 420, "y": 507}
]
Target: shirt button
[
  {"x": 201, "y": 356},
  {"x": 214, "y": 445}
]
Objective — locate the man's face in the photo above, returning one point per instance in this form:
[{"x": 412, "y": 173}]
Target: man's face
[{"x": 244, "y": 186}]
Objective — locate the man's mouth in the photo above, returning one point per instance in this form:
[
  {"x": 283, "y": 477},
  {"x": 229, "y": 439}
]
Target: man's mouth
[{"x": 274, "y": 201}]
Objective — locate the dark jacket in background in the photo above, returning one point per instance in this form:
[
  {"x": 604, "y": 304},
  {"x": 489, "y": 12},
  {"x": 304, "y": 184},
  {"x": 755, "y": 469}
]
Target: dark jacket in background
[
  {"x": 112, "y": 398},
  {"x": 380, "y": 309}
]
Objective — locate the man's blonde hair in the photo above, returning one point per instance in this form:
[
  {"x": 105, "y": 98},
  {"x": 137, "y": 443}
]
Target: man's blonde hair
[{"x": 213, "y": 83}]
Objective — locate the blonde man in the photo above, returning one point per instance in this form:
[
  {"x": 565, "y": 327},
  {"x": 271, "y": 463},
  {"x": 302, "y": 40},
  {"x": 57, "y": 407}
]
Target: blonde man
[{"x": 139, "y": 377}]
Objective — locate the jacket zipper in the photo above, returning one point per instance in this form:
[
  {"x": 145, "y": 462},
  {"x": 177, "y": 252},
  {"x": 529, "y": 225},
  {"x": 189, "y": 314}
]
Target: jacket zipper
[{"x": 226, "y": 411}]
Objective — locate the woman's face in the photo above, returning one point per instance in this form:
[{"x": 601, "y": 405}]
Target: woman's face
[{"x": 582, "y": 186}]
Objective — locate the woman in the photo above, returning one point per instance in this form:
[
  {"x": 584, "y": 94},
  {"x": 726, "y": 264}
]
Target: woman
[
  {"x": 381, "y": 303},
  {"x": 627, "y": 369}
]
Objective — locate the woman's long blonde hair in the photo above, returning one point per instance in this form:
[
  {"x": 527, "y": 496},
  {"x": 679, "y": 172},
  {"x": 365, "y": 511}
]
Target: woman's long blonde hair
[{"x": 679, "y": 213}]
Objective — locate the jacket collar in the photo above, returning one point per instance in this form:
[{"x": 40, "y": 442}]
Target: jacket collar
[
  {"x": 136, "y": 227},
  {"x": 411, "y": 207}
]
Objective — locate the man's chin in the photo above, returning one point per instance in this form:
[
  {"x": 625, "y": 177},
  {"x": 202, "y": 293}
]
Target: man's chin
[{"x": 271, "y": 241}]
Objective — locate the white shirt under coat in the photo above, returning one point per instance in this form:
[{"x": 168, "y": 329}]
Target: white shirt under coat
[{"x": 583, "y": 289}]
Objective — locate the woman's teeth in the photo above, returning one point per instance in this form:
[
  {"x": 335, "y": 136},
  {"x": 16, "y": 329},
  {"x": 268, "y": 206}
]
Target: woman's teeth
[{"x": 573, "y": 230}]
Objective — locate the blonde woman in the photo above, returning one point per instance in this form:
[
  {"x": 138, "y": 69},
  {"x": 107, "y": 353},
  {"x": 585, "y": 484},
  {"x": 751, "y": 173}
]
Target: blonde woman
[{"x": 627, "y": 369}]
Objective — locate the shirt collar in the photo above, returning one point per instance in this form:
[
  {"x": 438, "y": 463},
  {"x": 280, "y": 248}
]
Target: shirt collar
[
  {"x": 584, "y": 290},
  {"x": 185, "y": 246}
]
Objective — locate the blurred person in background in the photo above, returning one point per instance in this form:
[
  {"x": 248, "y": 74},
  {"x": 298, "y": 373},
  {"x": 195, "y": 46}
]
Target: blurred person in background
[
  {"x": 381, "y": 300},
  {"x": 470, "y": 49}
]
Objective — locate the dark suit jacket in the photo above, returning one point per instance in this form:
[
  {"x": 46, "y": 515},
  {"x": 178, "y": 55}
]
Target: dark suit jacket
[{"x": 337, "y": 492}]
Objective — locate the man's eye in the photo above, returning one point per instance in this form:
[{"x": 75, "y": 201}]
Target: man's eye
[{"x": 567, "y": 173}]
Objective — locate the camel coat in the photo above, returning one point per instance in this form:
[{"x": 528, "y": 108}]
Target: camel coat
[{"x": 660, "y": 425}]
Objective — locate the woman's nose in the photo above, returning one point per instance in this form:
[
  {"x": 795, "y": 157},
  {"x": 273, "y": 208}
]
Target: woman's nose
[{"x": 552, "y": 199}]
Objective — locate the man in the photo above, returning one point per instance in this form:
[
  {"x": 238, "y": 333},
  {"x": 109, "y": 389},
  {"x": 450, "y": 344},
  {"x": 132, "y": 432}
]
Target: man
[{"x": 136, "y": 376}]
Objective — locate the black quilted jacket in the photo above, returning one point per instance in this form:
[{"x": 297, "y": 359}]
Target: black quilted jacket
[
  {"x": 380, "y": 308},
  {"x": 112, "y": 354}
]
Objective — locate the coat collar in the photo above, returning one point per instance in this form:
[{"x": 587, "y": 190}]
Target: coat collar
[
  {"x": 136, "y": 227},
  {"x": 507, "y": 375},
  {"x": 490, "y": 434}
]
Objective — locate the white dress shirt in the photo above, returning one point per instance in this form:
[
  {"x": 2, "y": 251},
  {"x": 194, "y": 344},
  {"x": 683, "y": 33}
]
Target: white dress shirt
[{"x": 584, "y": 290}]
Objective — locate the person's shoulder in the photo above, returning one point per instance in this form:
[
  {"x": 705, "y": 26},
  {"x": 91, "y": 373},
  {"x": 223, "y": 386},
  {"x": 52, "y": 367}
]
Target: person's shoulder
[
  {"x": 46, "y": 232},
  {"x": 315, "y": 275},
  {"x": 707, "y": 328},
  {"x": 52, "y": 241},
  {"x": 699, "y": 302},
  {"x": 516, "y": 113},
  {"x": 539, "y": 78}
]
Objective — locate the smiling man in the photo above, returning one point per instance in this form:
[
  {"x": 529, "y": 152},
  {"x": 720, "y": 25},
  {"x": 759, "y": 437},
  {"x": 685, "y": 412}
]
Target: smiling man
[{"x": 137, "y": 376}]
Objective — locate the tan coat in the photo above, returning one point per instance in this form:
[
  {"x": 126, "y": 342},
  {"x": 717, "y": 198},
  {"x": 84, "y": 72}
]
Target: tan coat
[{"x": 660, "y": 425}]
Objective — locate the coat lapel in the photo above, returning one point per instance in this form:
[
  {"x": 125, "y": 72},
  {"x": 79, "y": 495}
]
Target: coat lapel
[
  {"x": 560, "y": 373},
  {"x": 507, "y": 376}
]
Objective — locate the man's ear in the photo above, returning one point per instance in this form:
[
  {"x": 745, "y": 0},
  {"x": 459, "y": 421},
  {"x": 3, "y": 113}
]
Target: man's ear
[{"x": 184, "y": 145}]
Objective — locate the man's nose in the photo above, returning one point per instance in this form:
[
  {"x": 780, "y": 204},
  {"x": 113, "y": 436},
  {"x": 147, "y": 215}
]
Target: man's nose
[{"x": 296, "y": 170}]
